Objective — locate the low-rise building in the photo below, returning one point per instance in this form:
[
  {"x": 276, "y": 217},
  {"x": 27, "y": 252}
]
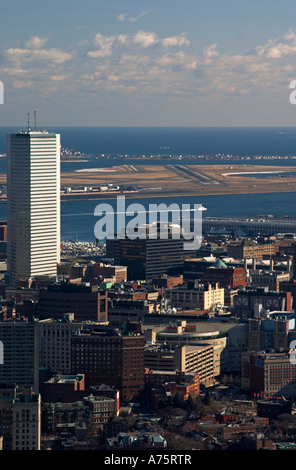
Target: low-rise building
[
  {"x": 203, "y": 297},
  {"x": 138, "y": 440},
  {"x": 164, "y": 385}
]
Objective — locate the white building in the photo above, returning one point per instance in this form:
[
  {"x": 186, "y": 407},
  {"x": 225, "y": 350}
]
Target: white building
[{"x": 33, "y": 204}]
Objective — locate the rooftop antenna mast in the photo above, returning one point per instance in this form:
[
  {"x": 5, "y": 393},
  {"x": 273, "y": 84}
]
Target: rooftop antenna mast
[
  {"x": 28, "y": 121},
  {"x": 35, "y": 119}
]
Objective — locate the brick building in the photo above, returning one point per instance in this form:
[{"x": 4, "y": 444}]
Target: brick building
[
  {"x": 167, "y": 282},
  {"x": 267, "y": 375},
  {"x": 85, "y": 301},
  {"x": 166, "y": 384},
  {"x": 63, "y": 388},
  {"x": 227, "y": 277},
  {"x": 119, "y": 273},
  {"x": 109, "y": 356}
]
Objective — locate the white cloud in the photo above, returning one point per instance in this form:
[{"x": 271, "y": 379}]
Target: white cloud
[
  {"x": 167, "y": 69},
  {"x": 131, "y": 62},
  {"x": 35, "y": 42},
  {"x": 146, "y": 39},
  {"x": 172, "y": 41},
  {"x": 121, "y": 17},
  {"x": 278, "y": 48},
  {"x": 50, "y": 55},
  {"x": 59, "y": 78},
  {"x": 131, "y": 58},
  {"x": 123, "y": 38},
  {"x": 104, "y": 44},
  {"x": 178, "y": 59},
  {"x": 211, "y": 51},
  {"x": 23, "y": 84},
  {"x": 132, "y": 19}
]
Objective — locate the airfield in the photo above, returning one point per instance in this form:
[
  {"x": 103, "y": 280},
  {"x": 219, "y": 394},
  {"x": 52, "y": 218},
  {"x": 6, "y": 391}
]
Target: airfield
[{"x": 138, "y": 181}]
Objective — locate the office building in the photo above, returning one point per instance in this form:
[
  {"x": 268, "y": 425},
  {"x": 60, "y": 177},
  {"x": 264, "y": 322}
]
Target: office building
[
  {"x": 84, "y": 301},
  {"x": 149, "y": 258},
  {"x": 21, "y": 358},
  {"x": 111, "y": 357},
  {"x": 33, "y": 204},
  {"x": 267, "y": 375},
  {"x": 55, "y": 343},
  {"x": 249, "y": 249},
  {"x": 249, "y": 303},
  {"x": 203, "y": 297},
  {"x": 274, "y": 331},
  {"x": 270, "y": 279},
  {"x": 181, "y": 333},
  {"x": 189, "y": 359},
  {"x": 20, "y": 418}
]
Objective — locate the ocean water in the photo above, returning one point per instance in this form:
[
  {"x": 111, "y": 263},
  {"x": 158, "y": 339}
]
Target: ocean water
[
  {"x": 77, "y": 217},
  {"x": 173, "y": 140},
  {"x": 78, "y": 220}
]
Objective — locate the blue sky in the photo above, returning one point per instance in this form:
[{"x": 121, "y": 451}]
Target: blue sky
[{"x": 148, "y": 63}]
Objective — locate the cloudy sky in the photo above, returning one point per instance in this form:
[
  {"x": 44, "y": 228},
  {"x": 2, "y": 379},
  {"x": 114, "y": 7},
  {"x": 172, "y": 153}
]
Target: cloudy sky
[{"x": 148, "y": 63}]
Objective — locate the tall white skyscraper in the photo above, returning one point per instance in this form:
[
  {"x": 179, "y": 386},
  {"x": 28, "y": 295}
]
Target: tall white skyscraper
[{"x": 33, "y": 204}]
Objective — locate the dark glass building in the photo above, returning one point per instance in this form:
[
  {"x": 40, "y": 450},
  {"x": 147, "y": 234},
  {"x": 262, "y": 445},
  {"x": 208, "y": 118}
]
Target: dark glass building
[{"x": 149, "y": 258}]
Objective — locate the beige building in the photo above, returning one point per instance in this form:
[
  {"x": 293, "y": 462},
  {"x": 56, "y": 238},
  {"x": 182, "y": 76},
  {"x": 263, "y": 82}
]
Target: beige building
[
  {"x": 55, "y": 344},
  {"x": 183, "y": 333},
  {"x": 196, "y": 359},
  {"x": 203, "y": 297},
  {"x": 250, "y": 250}
]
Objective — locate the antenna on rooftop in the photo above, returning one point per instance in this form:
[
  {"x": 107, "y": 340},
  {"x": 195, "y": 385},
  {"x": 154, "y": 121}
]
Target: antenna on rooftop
[
  {"x": 28, "y": 121},
  {"x": 35, "y": 119}
]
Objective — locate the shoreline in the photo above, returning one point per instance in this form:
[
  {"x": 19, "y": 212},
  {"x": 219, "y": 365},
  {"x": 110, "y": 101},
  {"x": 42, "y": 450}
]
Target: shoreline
[
  {"x": 171, "y": 181},
  {"x": 154, "y": 195}
]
